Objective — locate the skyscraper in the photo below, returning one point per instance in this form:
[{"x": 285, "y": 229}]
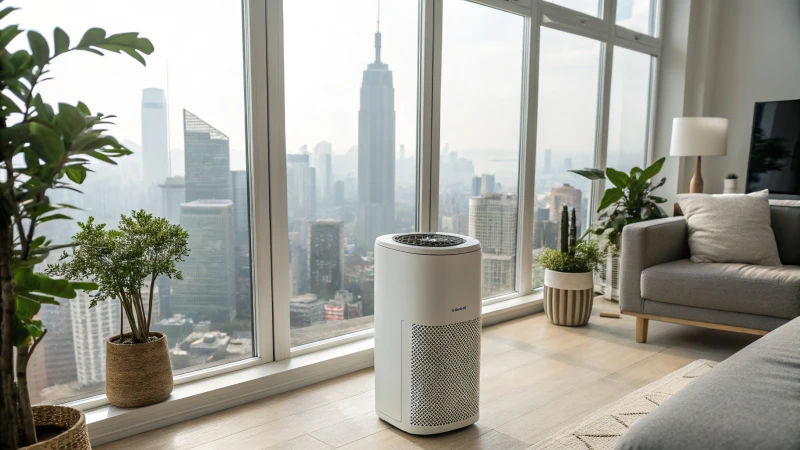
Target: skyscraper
[
  {"x": 207, "y": 160},
  {"x": 493, "y": 221},
  {"x": 487, "y": 184},
  {"x": 476, "y": 187},
  {"x": 565, "y": 195},
  {"x": 301, "y": 180},
  {"x": 548, "y": 160},
  {"x": 208, "y": 288},
  {"x": 322, "y": 162},
  {"x": 173, "y": 194},
  {"x": 376, "y": 158},
  {"x": 241, "y": 227},
  {"x": 155, "y": 141},
  {"x": 58, "y": 346},
  {"x": 325, "y": 257},
  {"x": 90, "y": 329}
]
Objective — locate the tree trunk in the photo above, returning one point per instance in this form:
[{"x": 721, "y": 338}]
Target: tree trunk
[
  {"x": 26, "y": 413},
  {"x": 9, "y": 422}
]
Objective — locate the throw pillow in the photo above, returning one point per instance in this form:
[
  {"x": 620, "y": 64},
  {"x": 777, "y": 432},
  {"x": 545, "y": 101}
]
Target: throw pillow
[{"x": 730, "y": 228}]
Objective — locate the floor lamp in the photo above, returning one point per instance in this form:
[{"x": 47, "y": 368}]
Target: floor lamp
[{"x": 699, "y": 136}]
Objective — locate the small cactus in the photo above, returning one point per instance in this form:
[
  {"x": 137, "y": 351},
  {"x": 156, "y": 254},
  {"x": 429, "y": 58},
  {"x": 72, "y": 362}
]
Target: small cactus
[{"x": 569, "y": 231}]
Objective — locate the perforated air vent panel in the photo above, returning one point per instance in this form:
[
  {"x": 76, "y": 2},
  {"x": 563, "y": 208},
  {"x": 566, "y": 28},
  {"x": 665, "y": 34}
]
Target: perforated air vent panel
[
  {"x": 428, "y": 240},
  {"x": 445, "y": 373}
]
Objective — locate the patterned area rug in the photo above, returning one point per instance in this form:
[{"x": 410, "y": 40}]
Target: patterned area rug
[{"x": 601, "y": 429}]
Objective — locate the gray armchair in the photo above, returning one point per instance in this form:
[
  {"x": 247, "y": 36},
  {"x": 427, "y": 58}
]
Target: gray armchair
[{"x": 658, "y": 282}]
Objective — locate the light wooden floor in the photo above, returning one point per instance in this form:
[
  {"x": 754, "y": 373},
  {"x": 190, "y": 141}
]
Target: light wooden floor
[{"x": 536, "y": 379}]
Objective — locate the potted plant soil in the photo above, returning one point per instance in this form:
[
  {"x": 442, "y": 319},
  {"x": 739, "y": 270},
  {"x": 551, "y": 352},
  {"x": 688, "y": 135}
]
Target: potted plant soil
[
  {"x": 42, "y": 148},
  {"x": 568, "y": 281},
  {"x": 124, "y": 263},
  {"x": 630, "y": 200}
]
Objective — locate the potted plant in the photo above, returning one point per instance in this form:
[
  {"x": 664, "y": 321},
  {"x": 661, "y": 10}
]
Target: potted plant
[
  {"x": 731, "y": 182},
  {"x": 630, "y": 200},
  {"x": 568, "y": 282},
  {"x": 41, "y": 148},
  {"x": 124, "y": 263}
]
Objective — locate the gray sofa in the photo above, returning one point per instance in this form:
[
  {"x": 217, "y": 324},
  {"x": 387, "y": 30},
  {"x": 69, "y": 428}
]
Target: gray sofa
[
  {"x": 658, "y": 282},
  {"x": 749, "y": 401}
]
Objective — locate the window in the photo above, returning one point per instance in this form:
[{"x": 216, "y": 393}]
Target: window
[
  {"x": 569, "y": 78},
  {"x": 591, "y": 7},
  {"x": 480, "y": 130},
  {"x": 184, "y": 118},
  {"x": 630, "y": 104},
  {"x": 637, "y": 15},
  {"x": 351, "y": 109}
]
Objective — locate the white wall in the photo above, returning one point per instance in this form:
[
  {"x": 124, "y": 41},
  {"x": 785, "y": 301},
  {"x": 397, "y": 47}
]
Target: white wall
[
  {"x": 719, "y": 58},
  {"x": 757, "y": 59}
]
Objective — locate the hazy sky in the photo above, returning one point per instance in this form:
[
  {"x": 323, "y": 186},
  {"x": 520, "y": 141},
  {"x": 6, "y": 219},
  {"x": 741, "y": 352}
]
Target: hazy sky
[{"x": 328, "y": 44}]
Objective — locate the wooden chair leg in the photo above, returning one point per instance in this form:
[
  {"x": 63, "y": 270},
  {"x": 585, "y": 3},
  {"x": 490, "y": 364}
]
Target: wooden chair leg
[{"x": 641, "y": 330}]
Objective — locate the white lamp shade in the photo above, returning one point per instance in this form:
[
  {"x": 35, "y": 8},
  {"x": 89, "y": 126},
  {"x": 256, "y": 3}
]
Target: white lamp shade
[{"x": 699, "y": 136}]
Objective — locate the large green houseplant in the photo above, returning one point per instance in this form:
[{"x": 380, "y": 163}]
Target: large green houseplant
[
  {"x": 630, "y": 200},
  {"x": 40, "y": 148},
  {"x": 125, "y": 264}
]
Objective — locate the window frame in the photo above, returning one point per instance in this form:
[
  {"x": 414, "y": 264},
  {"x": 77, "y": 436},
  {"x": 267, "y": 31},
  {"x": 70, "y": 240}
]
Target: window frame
[{"x": 265, "y": 128}]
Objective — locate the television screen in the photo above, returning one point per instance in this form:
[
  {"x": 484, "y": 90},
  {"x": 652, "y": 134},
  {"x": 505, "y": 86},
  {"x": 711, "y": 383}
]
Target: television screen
[{"x": 775, "y": 148}]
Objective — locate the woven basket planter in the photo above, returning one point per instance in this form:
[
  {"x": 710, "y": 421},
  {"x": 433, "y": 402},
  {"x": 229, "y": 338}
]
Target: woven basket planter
[
  {"x": 76, "y": 436},
  {"x": 138, "y": 374},
  {"x": 568, "y": 298}
]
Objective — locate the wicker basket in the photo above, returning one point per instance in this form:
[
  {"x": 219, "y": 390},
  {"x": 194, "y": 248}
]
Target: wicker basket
[
  {"x": 568, "y": 298},
  {"x": 138, "y": 374},
  {"x": 75, "y": 438}
]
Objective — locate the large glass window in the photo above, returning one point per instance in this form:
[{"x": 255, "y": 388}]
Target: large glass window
[
  {"x": 637, "y": 15},
  {"x": 628, "y": 110},
  {"x": 184, "y": 118},
  {"x": 569, "y": 74},
  {"x": 351, "y": 109},
  {"x": 591, "y": 7},
  {"x": 480, "y": 132}
]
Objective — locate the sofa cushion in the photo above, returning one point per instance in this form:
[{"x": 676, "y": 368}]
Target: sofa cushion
[
  {"x": 765, "y": 290},
  {"x": 749, "y": 401},
  {"x": 732, "y": 228},
  {"x": 786, "y": 225}
]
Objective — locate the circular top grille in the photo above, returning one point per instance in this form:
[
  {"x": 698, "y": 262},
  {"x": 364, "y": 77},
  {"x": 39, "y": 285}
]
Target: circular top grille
[{"x": 428, "y": 240}]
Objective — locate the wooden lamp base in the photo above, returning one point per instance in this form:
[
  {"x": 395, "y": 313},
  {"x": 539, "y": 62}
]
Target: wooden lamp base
[{"x": 696, "y": 185}]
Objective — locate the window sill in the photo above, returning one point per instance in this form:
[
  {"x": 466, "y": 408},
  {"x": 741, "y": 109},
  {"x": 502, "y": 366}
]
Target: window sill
[{"x": 197, "y": 398}]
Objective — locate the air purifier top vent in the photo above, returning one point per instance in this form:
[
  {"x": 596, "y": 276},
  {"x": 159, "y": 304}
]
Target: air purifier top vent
[
  {"x": 428, "y": 240},
  {"x": 429, "y": 243}
]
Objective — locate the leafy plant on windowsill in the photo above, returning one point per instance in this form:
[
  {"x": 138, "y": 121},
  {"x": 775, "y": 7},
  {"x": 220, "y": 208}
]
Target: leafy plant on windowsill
[
  {"x": 39, "y": 148},
  {"x": 631, "y": 200},
  {"x": 122, "y": 261}
]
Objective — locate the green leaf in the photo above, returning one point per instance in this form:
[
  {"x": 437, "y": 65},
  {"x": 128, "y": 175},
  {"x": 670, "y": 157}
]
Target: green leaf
[
  {"x": 60, "y": 40},
  {"x": 7, "y": 11},
  {"x": 619, "y": 179},
  {"x": 26, "y": 307},
  {"x": 39, "y": 48},
  {"x": 653, "y": 170},
  {"x": 657, "y": 199},
  {"x": 54, "y": 217},
  {"x": 8, "y": 34},
  {"x": 84, "y": 109},
  {"x": 73, "y": 120},
  {"x": 93, "y": 36},
  {"x": 592, "y": 174},
  {"x": 76, "y": 173},
  {"x": 8, "y": 106},
  {"x": 46, "y": 143},
  {"x": 84, "y": 286},
  {"x": 611, "y": 196}
]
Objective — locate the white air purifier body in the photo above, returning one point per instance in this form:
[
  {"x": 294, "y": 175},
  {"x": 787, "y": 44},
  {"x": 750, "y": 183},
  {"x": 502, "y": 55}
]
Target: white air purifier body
[{"x": 427, "y": 331}]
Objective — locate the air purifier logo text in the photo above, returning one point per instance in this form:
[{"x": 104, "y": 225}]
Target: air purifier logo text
[{"x": 460, "y": 308}]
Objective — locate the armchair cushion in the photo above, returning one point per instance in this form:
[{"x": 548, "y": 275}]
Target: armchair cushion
[{"x": 763, "y": 290}]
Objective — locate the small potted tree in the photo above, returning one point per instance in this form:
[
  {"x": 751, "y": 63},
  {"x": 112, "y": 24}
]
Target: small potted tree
[
  {"x": 568, "y": 281},
  {"x": 629, "y": 200},
  {"x": 731, "y": 183},
  {"x": 41, "y": 148},
  {"x": 124, "y": 263}
]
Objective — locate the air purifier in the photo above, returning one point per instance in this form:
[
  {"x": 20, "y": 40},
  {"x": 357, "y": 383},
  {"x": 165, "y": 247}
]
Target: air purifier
[{"x": 427, "y": 331}]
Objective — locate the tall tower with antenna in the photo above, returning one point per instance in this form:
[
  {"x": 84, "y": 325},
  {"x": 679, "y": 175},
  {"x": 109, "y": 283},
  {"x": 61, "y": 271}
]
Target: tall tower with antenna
[{"x": 376, "y": 150}]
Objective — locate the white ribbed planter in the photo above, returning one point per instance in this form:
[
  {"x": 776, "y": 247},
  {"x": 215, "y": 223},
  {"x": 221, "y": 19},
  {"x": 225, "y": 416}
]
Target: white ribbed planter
[
  {"x": 731, "y": 186},
  {"x": 568, "y": 297}
]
